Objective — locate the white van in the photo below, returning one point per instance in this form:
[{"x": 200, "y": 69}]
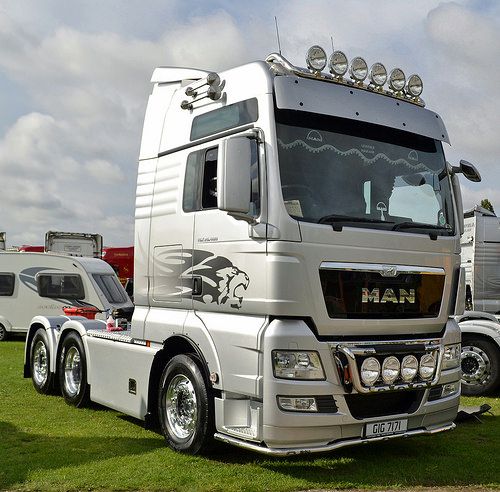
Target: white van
[{"x": 35, "y": 283}]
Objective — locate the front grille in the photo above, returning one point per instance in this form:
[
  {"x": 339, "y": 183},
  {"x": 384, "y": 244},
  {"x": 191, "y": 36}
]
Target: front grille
[
  {"x": 360, "y": 294},
  {"x": 363, "y": 406}
]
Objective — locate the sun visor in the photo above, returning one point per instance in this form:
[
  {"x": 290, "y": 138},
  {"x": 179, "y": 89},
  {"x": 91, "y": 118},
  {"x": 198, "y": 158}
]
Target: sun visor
[{"x": 343, "y": 101}]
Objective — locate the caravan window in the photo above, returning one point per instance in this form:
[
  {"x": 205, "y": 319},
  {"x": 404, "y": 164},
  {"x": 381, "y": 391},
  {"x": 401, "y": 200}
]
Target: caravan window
[
  {"x": 60, "y": 285},
  {"x": 7, "y": 281},
  {"x": 111, "y": 288}
]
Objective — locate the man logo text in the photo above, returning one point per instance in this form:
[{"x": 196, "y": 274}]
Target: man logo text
[{"x": 389, "y": 295}]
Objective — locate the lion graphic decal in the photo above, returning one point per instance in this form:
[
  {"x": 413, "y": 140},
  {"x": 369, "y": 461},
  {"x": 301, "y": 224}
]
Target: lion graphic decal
[{"x": 221, "y": 282}]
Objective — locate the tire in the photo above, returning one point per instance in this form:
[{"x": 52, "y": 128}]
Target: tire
[
  {"x": 41, "y": 377},
  {"x": 3, "y": 333},
  {"x": 480, "y": 366},
  {"x": 73, "y": 372},
  {"x": 185, "y": 408}
]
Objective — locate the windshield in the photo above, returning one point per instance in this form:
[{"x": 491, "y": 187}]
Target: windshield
[{"x": 338, "y": 171}]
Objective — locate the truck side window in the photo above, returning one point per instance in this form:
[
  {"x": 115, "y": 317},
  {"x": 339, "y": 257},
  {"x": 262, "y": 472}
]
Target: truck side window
[
  {"x": 60, "y": 285},
  {"x": 200, "y": 183},
  {"x": 7, "y": 282}
]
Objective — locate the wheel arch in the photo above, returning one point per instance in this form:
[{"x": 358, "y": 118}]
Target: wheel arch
[{"x": 175, "y": 345}]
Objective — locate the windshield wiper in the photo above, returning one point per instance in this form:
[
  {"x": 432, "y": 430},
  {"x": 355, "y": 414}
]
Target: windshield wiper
[
  {"x": 418, "y": 225},
  {"x": 337, "y": 220},
  {"x": 422, "y": 225}
]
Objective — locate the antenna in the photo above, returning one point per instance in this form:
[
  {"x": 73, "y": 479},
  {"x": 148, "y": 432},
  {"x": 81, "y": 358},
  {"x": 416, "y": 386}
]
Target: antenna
[
  {"x": 331, "y": 39},
  {"x": 277, "y": 34}
]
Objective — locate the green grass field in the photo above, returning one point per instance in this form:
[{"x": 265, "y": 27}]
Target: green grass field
[{"x": 47, "y": 445}]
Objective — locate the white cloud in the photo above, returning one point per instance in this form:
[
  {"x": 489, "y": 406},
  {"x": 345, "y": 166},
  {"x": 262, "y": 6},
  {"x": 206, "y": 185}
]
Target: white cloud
[{"x": 83, "y": 69}]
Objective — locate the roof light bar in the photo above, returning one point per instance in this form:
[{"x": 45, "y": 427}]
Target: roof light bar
[{"x": 395, "y": 84}]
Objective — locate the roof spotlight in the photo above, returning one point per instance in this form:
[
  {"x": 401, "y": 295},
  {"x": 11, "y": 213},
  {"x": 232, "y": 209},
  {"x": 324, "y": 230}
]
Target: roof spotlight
[
  {"x": 359, "y": 69},
  {"x": 414, "y": 86},
  {"x": 316, "y": 58},
  {"x": 378, "y": 75},
  {"x": 397, "y": 80},
  {"x": 338, "y": 63}
]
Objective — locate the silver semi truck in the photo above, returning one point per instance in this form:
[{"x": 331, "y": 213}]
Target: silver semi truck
[{"x": 297, "y": 262}]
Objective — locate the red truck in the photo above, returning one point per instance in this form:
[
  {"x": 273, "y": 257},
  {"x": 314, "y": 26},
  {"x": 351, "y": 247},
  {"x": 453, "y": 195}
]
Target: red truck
[{"x": 122, "y": 261}]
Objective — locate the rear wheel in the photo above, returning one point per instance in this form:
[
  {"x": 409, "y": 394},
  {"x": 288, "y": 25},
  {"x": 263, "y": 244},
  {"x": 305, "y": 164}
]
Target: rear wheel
[
  {"x": 480, "y": 366},
  {"x": 41, "y": 376},
  {"x": 73, "y": 372},
  {"x": 3, "y": 333},
  {"x": 184, "y": 407}
]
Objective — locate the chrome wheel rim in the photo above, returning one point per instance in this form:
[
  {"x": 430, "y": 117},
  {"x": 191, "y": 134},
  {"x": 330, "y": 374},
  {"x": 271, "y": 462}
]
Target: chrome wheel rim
[
  {"x": 72, "y": 371},
  {"x": 40, "y": 363},
  {"x": 181, "y": 407},
  {"x": 476, "y": 366}
]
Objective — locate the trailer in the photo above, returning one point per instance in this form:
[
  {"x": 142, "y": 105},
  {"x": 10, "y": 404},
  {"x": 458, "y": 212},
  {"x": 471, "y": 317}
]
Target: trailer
[
  {"x": 45, "y": 283},
  {"x": 122, "y": 261},
  {"x": 297, "y": 264}
]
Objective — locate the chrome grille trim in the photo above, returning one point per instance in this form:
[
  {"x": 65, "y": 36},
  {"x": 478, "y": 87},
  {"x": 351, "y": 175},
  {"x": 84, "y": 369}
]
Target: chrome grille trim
[{"x": 383, "y": 269}]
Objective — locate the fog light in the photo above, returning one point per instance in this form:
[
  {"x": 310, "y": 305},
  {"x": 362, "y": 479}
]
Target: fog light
[
  {"x": 316, "y": 58},
  {"x": 450, "y": 389},
  {"x": 427, "y": 366},
  {"x": 409, "y": 368},
  {"x": 297, "y": 403},
  {"x": 390, "y": 369},
  {"x": 378, "y": 75},
  {"x": 338, "y": 63},
  {"x": 370, "y": 371},
  {"x": 359, "y": 69},
  {"x": 397, "y": 80},
  {"x": 415, "y": 86}
]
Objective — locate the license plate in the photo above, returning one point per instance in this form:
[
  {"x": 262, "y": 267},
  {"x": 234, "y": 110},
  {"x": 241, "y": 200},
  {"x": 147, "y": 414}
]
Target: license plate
[{"x": 387, "y": 428}]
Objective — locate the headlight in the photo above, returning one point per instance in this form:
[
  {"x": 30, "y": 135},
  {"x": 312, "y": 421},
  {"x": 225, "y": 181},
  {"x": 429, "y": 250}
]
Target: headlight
[
  {"x": 297, "y": 365},
  {"x": 427, "y": 366},
  {"x": 297, "y": 404},
  {"x": 359, "y": 69},
  {"x": 338, "y": 63},
  {"x": 409, "y": 368},
  {"x": 370, "y": 371},
  {"x": 316, "y": 58},
  {"x": 397, "y": 80},
  {"x": 415, "y": 86},
  {"x": 378, "y": 74},
  {"x": 390, "y": 369},
  {"x": 451, "y": 356},
  {"x": 450, "y": 389}
]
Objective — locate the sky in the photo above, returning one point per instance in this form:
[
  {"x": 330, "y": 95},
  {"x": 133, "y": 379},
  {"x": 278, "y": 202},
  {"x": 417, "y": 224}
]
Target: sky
[{"x": 75, "y": 78}]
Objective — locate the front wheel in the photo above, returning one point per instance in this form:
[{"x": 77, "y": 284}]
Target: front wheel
[
  {"x": 480, "y": 366},
  {"x": 184, "y": 407},
  {"x": 73, "y": 372},
  {"x": 41, "y": 376}
]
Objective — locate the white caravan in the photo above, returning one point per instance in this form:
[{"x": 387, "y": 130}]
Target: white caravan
[
  {"x": 297, "y": 262},
  {"x": 44, "y": 283},
  {"x": 480, "y": 326}
]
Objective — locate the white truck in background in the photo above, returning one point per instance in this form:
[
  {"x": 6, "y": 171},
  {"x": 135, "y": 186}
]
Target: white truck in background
[
  {"x": 74, "y": 243},
  {"x": 45, "y": 283},
  {"x": 480, "y": 323},
  {"x": 297, "y": 264}
]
